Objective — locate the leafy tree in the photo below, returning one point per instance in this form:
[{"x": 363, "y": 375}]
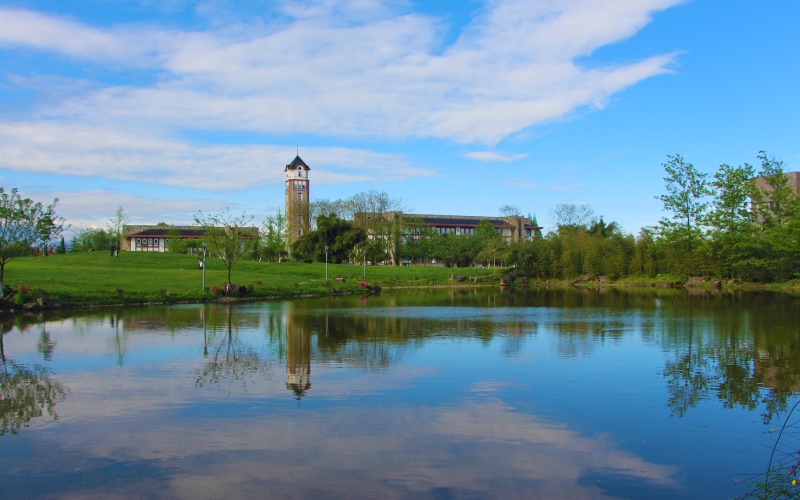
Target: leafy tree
[
  {"x": 645, "y": 258},
  {"x": 775, "y": 202},
  {"x": 686, "y": 200},
  {"x": 273, "y": 237},
  {"x": 49, "y": 226},
  {"x": 730, "y": 221},
  {"x": 339, "y": 236},
  {"x": 90, "y": 239},
  {"x": 491, "y": 244},
  {"x": 226, "y": 235},
  {"x": 537, "y": 233},
  {"x": 116, "y": 227},
  {"x": 603, "y": 230},
  {"x": 176, "y": 243},
  {"x": 62, "y": 247},
  {"x": 23, "y": 224}
]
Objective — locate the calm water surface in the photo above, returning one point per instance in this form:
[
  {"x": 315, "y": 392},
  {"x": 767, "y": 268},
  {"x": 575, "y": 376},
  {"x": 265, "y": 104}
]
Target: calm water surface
[{"x": 434, "y": 394}]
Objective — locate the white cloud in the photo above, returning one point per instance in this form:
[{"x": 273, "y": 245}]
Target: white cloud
[
  {"x": 355, "y": 69},
  {"x": 46, "y": 147},
  {"x": 33, "y": 30},
  {"x": 491, "y": 156},
  {"x": 86, "y": 209}
]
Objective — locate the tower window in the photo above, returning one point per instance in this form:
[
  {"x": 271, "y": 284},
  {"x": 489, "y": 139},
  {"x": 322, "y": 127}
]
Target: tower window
[{"x": 299, "y": 196}]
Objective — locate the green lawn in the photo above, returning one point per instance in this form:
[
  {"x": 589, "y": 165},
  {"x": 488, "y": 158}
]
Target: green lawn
[{"x": 97, "y": 278}]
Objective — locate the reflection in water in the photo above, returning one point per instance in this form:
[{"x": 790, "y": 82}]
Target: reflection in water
[
  {"x": 298, "y": 356},
  {"x": 45, "y": 346},
  {"x": 228, "y": 359},
  {"x": 25, "y": 393},
  {"x": 430, "y": 393}
]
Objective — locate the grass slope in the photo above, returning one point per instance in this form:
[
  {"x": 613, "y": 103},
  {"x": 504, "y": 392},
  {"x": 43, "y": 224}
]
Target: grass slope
[{"x": 97, "y": 278}]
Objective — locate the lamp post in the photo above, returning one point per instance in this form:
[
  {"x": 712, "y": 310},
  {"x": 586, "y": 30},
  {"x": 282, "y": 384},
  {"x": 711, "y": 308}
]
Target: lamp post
[
  {"x": 326, "y": 262},
  {"x": 204, "y": 265}
]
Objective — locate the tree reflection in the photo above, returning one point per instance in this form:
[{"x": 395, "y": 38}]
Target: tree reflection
[
  {"x": 25, "y": 393},
  {"x": 228, "y": 359},
  {"x": 45, "y": 345},
  {"x": 742, "y": 358},
  {"x": 688, "y": 375}
]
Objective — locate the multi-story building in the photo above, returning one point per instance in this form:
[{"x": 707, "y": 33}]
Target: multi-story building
[{"x": 297, "y": 199}]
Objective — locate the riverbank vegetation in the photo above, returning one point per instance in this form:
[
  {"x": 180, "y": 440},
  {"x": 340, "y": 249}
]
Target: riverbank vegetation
[{"x": 740, "y": 226}]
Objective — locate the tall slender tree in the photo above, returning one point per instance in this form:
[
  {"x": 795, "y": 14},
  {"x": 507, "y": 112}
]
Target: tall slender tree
[
  {"x": 686, "y": 200},
  {"x": 116, "y": 228}
]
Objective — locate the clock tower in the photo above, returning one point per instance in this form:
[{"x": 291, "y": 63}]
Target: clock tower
[{"x": 297, "y": 199}]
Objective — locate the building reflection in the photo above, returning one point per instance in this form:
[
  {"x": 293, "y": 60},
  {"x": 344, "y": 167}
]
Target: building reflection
[{"x": 298, "y": 356}]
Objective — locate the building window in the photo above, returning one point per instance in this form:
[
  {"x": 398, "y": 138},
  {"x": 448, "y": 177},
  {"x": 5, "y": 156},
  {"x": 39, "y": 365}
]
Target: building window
[{"x": 299, "y": 196}]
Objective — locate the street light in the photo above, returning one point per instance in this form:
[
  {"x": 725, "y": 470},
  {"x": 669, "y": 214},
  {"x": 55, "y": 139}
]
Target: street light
[
  {"x": 204, "y": 265},
  {"x": 326, "y": 262}
]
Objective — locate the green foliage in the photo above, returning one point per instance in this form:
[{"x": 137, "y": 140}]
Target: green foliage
[
  {"x": 90, "y": 240},
  {"x": 226, "y": 236},
  {"x": 116, "y": 227},
  {"x": 62, "y": 247},
  {"x": 23, "y": 224},
  {"x": 273, "y": 238},
  {"x": 686, "y": 200},
  {"x": 713, "y": 230},
  {"x": 26, "y": 393},
  {"x": 334, "y": 239}
]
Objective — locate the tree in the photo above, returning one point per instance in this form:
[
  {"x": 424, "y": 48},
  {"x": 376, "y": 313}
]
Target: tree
[
  {"x": 491, "y": 243},
  {"x": 774, "y": 200},
  {"x": 273, "y": 237},
  {"x": 775, "y": 254},
  {"x": 509, "y": 211},
  {"x": 686, "y": 200},
  {"x": 226, "y": 235},
  {"x": 602, "y": 230},
  {"x": 49, "y": 226},
  {"x": 571, "y": 216},
  {"x": 537, "y": 233},
  {"x": 340, "y": 237},
  {"x": 116, "y": 227},
  {"x": 89, "y": 239},
  {"x": 729, "y": 219},
  {"x": 176, "y": 243},
  {"x": 23, "y": 224}
]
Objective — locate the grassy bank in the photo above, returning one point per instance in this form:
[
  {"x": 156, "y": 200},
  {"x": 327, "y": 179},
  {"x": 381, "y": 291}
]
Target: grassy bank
[{"x": 96, "y": 278}]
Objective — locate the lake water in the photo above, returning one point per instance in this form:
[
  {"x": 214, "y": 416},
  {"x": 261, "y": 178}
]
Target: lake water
[{"x": 432, "y": 394}]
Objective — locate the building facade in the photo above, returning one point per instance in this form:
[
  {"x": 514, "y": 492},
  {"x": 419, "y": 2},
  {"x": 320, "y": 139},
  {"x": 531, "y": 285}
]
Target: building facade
[
  {"x": 514, "y": 228},
  {"x": 155, "y": 238},
  {"x": 297, "y": 199}
]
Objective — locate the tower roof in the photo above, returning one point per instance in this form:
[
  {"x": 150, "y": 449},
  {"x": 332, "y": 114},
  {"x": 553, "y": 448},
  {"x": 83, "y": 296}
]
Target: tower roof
[{"x": 297, "y": 162}]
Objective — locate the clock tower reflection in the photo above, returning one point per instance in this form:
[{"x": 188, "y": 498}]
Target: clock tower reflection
[{"x": 298, "y": 356}]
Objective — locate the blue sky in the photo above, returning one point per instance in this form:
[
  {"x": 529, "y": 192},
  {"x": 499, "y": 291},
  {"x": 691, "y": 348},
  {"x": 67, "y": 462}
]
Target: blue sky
[{"x": 166, "y": 107}]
